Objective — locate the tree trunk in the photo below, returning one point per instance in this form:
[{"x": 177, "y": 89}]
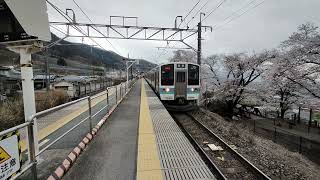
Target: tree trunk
[
  {"x": 230, "y": 106},
  {"x": 282, "y": 113}
]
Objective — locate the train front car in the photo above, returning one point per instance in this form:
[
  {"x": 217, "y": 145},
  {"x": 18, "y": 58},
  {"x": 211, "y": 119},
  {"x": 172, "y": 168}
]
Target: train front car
[{"x": 179, "y": 87}]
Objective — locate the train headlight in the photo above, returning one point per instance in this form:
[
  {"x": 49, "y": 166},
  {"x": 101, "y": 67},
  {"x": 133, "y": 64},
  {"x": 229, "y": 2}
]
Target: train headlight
[
  {"x": 194, "y": 89},
  {"x": 167, "y": 89}
]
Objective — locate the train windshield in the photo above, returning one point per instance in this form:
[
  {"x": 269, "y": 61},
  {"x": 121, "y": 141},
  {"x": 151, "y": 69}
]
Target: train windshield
[
  {"x": 193, "y": 74},
  {"x": 167, "y": 75}
]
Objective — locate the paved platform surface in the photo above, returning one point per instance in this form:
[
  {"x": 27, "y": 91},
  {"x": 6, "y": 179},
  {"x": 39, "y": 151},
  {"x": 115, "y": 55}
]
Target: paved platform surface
[
  {"x": 59, "y": 124},
  {"x": 178, "y": 158},
  {"x": 140, "y": 141},
  {"x": 112, "y": 154}
]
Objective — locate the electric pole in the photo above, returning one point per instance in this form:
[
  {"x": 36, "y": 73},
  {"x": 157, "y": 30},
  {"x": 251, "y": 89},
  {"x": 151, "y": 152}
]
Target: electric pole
[
  {"x": 47, "y": 70},
  {"x": 200, "y": 38},
  {"x": 199, "y": 43}
]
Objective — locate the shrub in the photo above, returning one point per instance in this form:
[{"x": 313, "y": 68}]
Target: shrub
[
  {"x": 218, "y": 106},
  {"x": 51, "y": 99},
  {"x": 12, "y": 113}
]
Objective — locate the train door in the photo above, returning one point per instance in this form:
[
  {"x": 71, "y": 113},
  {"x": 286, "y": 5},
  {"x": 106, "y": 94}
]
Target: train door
[{"x": 181, "y": 84}]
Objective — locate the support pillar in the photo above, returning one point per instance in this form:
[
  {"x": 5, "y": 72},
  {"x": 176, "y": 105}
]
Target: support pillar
[{"x": 28, "y": 91}]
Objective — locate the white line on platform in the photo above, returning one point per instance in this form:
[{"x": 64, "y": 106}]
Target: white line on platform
[{"x": 44, "y": 142}]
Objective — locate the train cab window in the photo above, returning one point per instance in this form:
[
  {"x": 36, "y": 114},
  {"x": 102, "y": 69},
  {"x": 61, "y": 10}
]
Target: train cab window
[
  {"x": 193, "y": 74},
  {"x": 167, "y": 75}
]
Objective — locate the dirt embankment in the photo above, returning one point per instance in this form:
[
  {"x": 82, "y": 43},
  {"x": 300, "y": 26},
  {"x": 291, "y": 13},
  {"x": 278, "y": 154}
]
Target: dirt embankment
[{"x": 273, "y": 159}]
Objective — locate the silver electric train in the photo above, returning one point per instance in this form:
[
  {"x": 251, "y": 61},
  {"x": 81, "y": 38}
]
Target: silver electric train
[{"x": 177, "y": 84}]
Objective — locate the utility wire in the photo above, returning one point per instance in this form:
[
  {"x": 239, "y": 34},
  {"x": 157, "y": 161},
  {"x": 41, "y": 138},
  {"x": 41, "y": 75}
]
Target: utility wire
[
  {"x": 164, "y": 51},
  {"x": 58, "y": 29},
  {"x": 214, "y": 9},
  {"x": 189, "y": 12},
  {"x": 235, "y": 12},
  {"x": 198, "y": 12},
  {"x": 240, "y": 9},
  {"x": 236, "y": 17},
  {"x": 93, "y": 23},
  {"x": 70, "y": 21}
]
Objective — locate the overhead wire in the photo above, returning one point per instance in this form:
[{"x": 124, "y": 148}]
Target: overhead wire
[
  {"x": 70, "y": 21},
  {"x": 214, "y": 9},
  {"x": 240, "y": 9},
  {"x": 205, "y": 4},
  {"x": 247, "y": 5},
  {"x": 211, "y": 12},
  {"x": 185, "y": 17},
  {"x": 238, "y": 16},
  {"x": 74, "y": 1},
  {"x": 164, "y": 51}
]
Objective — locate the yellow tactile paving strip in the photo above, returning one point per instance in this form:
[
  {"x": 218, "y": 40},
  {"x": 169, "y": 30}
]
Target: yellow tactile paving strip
[{"x": 148, "y": 163}]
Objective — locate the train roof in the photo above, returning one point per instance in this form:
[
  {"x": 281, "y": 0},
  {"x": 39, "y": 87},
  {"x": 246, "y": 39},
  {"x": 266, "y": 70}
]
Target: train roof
[
  {"x": 179, "y": 63},
  {"x": 157, "y": 67}
]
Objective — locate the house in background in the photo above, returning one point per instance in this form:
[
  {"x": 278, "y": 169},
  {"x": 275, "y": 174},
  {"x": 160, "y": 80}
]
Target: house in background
[
  {"x": 70, "y": 84},
  {"x": 10, "y": 81},
  {"x": 40, "y": 81}
]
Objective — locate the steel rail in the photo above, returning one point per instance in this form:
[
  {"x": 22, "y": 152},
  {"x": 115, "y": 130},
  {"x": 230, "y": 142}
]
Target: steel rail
[
  {"x": 256, "y": 170},
  {"x": 218, "y": 174}
]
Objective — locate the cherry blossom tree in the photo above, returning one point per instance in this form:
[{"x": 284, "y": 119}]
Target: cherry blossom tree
[
  {"x": 240, "y": 70},
  {"x": 280, "y": 92},
  {"x": 302, "y": 49},
  {"x": 184, "y": 56}
]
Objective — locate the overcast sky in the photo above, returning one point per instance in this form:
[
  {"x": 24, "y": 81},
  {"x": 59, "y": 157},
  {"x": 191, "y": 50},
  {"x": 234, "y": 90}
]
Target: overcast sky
[{"x": 263, "y": 27}]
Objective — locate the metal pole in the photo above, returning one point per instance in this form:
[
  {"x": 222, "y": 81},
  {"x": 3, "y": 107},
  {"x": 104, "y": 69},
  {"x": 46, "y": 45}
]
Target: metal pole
[
  {"x": 127, "y": 71},
  {"x": 90, "y": 114},
  {"x": 275, "y": 134},
  {"x": 32, "y": 151},
  {"x": 206, "y": 96},
  {"x": 107, "y": 100},
  {"x": 300, "y": 145},
  {"x": 28, "y": 92},
  {"x": 120, "y": 90},
  {"x": 107, "y": 96},
  {"x": 199, "y": 43},
  {"x": 299, "y": 113},
  {"x": 47, "y": 72},
  {"x": 116, "y": 94},
  {"x": 310, "y": 120}
]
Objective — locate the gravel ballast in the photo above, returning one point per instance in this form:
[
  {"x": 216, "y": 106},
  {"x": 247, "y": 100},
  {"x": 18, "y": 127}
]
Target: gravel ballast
[{"x": 273, "y": 159}]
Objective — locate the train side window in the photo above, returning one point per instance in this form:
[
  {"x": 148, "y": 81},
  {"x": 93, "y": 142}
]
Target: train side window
[
  {"x": 167, "y": 75},
  {"x": 193, "y": 74}
]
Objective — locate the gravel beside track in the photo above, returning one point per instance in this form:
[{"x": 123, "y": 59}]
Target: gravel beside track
[
  {"x": 273, "y": 159},
  {"x": 232, "y": 166}
]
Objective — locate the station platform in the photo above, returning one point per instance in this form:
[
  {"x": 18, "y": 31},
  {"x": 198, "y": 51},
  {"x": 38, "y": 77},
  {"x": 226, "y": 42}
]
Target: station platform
[{"x": 140, "y": 140}]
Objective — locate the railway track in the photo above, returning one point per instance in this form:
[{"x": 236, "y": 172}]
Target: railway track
[{"x": 225, "y": 162}]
